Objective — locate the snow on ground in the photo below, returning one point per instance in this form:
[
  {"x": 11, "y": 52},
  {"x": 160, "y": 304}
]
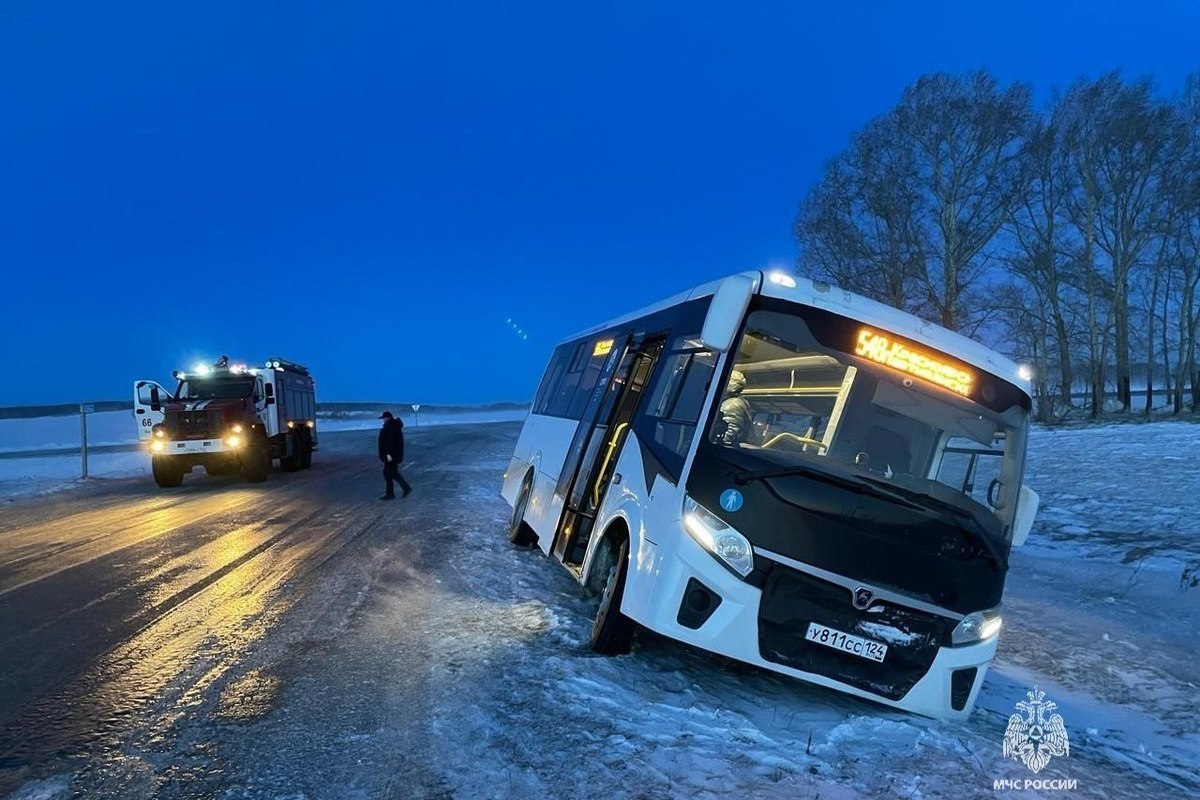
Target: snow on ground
[
  {"x": 44, "y": 474},
  {"x": 120, "y": 427},
  {"x": 53, "y": 433},
  {"x": 355, "y": 421},
  {"x": 1096, "y": 615},
  {"x": 1101, "y": 612},
  {"x": 41, "y": 474}
]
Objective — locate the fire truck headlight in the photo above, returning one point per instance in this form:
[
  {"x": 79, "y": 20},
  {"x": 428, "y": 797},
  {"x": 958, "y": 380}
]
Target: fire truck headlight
[
  {"x": 976, "y": 628},
  {"x": 723, "y": 542},
  {"x": 233, "y": 440}
]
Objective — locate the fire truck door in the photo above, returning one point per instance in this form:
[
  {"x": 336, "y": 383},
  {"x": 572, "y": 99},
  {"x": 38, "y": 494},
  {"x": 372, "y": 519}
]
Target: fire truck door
[{"x": 148, "y": 401}]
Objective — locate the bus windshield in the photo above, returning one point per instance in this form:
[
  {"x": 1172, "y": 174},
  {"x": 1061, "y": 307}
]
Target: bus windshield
[
  {"x": 797, "y": 400},
  {"x": 232, "y": 387}
]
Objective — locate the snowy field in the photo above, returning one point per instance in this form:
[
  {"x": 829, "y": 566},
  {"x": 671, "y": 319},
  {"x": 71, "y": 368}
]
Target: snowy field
[
  {"x": 457, "y": 665},
  {"x": 120, "y": 427},
  {"x": 41, "y": 474},
  {"x": 1102, "y": 612}
]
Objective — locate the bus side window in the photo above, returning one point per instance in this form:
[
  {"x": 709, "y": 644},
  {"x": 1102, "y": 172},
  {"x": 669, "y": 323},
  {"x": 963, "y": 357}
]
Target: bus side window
[
  {"x": 550, "y": 382},
  {"x": 673, "y": 410},
  {"x": 560, "y": 403}
]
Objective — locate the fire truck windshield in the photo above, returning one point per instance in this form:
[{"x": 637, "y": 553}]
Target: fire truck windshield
[{"x": 215, "y": 387}]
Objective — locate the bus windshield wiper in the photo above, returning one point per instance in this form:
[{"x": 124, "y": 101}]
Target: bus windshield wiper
[
  {"x": 974, "y": 527},
  {"x": 845, "y": 481}
]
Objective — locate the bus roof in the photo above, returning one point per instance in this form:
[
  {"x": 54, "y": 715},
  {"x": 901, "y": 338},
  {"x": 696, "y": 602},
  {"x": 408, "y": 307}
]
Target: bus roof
[{"x": 817, "y": 294}]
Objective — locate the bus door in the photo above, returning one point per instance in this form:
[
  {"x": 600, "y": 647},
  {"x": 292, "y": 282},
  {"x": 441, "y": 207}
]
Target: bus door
[{"x": 601, "y": 433}]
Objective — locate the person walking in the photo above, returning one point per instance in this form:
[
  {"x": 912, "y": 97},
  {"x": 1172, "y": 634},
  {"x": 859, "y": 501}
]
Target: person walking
[{"x": 391, "y": 453}]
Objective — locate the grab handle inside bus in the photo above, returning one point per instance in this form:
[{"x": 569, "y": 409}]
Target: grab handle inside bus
[{"x": 724, "y": 319}]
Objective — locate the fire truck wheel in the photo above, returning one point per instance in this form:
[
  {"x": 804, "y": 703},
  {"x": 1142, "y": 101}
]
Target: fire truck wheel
[
  {"x": 306, "y": 450},
  {"x": 166, "y": 474},
  {"x": 291, "y": 463},
  {"x": 257, "y": 463}
]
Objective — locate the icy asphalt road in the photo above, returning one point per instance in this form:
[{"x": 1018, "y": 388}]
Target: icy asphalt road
[{"x": 303, "y": 639}]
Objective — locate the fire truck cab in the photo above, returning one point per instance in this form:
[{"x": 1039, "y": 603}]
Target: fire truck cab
[{"x": 228, "y": 418}]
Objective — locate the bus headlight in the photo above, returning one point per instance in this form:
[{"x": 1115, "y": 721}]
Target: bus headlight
[
  {"x": 233, "y": 441},
  {"x": 977, "y": 627},
  {"x": 157, "y": 447},
  {"x": 710, "y": 532},
  {"x": 237, "y": 427}
]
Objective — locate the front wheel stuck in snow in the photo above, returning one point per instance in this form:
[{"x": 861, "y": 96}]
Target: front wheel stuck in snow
[{"x": 612, "y": 632}]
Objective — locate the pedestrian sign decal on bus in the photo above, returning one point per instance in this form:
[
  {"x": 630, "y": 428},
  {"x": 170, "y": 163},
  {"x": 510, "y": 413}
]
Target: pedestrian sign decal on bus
[{"x": 731, "y": 500}]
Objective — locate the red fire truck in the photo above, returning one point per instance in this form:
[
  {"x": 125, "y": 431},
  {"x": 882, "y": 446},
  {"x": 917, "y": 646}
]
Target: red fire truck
[{"x": 229, "y": 418}]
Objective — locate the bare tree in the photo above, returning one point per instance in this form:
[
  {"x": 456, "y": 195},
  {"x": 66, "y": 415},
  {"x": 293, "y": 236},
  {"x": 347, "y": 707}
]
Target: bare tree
[
  {"x": 1135, "y": 132},
  {"x": 1187, "y": 263},
  {"x": 1039, "y": 232},
  {"x": 1078, "y": 114},
  {"x": 859, "y": 227},
  {"x": 967, "y": 135}
]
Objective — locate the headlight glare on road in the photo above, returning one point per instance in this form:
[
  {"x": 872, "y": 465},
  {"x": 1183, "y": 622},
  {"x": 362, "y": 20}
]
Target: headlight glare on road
[
  {"x": 977, "y": 627},
  {"x": 710, "y": 532}
]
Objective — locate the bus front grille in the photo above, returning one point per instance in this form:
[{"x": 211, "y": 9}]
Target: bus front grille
[{"x": 792, "y": 599}]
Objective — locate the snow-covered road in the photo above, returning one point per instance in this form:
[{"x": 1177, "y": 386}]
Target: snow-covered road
[{"x": 425, "y": 657}]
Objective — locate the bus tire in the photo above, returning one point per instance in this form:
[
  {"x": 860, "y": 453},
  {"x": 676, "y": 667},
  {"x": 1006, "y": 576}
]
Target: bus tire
[
  {"x": 519, "y": 532},
  {"x": 166, "y": 474},
  {"x": 612, "y": 631}
]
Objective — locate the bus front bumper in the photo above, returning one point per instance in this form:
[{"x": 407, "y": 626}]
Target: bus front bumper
[{"x": 927, "y": 679}]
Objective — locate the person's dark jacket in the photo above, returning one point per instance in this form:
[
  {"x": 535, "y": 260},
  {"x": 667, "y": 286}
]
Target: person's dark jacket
[{"x": 391, "y": 440}]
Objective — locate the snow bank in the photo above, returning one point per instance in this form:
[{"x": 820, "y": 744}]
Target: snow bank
[{"x": 28, "y": 476}]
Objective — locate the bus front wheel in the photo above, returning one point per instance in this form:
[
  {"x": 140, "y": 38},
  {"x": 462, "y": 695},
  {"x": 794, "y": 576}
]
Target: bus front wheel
[{"x": 612, "y": 632}]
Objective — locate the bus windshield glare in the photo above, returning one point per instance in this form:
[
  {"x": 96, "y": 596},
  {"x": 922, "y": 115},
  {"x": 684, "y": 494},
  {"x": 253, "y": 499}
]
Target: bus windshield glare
[{"x": 861, "y": 402}]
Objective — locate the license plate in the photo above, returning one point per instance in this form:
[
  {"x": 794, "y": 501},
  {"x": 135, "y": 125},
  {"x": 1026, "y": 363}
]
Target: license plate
[{"x": 854, "y": 645}]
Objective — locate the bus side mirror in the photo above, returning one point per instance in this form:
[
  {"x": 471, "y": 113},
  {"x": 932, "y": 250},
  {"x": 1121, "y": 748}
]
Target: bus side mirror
[
  {"x": 725, "y": 314},
  {"x": 1027, "y": 508},
  {"x": 155, "y": 400}
]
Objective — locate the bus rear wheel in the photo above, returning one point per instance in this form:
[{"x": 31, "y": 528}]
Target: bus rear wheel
[
  {"x": 519, "y": 532},
  {"x": 612, "y": 631}
]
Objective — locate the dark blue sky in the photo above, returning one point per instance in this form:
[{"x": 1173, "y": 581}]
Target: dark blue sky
[{"x": 373, "y": 188}]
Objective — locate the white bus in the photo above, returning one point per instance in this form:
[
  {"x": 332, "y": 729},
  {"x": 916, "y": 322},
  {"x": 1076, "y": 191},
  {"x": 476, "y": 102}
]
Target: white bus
[{"x": 790, "y": 475}]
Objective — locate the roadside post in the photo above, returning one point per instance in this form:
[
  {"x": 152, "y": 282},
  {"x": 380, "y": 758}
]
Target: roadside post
[
  {"x": 416, "y": 407},
  {"x": 84, "y": 410}
]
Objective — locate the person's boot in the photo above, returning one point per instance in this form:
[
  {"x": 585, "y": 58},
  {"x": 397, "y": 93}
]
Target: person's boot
[
  {"x": 388, "y": 496},
  {"x": 407, "y": 491}
]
